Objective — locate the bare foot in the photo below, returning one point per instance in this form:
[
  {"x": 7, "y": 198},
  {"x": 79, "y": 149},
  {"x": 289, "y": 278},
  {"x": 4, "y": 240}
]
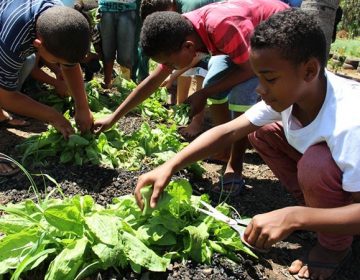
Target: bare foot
[
  {"x": 321, "y": 263},
  {"x": 192, "y": 131}
]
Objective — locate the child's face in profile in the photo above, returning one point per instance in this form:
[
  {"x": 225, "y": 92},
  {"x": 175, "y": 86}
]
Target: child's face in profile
[
  {"x": 176, "y": 60},
  {"x": 281, "y": 83},
  {"x": 49, "y": 57}
]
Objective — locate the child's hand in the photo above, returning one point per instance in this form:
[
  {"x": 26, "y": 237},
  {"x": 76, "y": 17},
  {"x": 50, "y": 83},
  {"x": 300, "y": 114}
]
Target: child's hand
[
  {"x": 197, "y": 102},
  {"x": 266, "y": 229},
  {"x": 158, "y": 178},
  {"x": 102, "y": 124},
  {"x": 84, "y": 119},
  {"x": 62, "y": 125}
]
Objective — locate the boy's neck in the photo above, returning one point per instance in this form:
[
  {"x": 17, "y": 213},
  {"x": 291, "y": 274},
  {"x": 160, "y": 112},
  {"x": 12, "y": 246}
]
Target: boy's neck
[{"x": 307, "y": 109}]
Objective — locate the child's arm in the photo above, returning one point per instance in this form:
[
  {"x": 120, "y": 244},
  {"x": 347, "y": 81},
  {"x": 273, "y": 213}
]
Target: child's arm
[
  {"x": 23, "y": 105},
  {"x": 138, "y": 95},
  {"x": 205, "y": 145},
  {"x": 266, "y": 229},
  {"x": 74, "y": 80},
  {"x": 38, "y": 74},
  {"x": 239, "y": 73}
]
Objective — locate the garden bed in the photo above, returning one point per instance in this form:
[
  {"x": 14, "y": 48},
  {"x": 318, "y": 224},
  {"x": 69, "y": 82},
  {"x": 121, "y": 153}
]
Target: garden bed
[{"x": 263, "y": 193}]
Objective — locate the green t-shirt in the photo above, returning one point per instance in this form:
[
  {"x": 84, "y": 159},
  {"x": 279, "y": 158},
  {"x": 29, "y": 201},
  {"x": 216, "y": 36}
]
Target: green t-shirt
[
  {"x": 114, "y": 6},
  {"x": 185, "y": 6}
]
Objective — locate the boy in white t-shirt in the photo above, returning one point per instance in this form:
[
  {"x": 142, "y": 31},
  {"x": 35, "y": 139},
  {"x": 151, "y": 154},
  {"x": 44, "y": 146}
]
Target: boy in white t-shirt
[{"x": 307, "y": 131}]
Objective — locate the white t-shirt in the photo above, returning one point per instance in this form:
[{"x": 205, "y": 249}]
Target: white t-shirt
[{"x": 337, "y": 124}]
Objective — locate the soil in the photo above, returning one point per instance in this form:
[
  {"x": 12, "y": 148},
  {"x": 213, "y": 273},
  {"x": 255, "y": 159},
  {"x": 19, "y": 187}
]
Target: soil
[{"x": 263, "y": 193}]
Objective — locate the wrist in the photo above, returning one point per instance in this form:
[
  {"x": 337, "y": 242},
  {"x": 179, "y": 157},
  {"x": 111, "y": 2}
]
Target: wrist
[
  {"x": 298, "y": 215},
  {"x": 81, "y": 105},
  {"x": 53, "y": 116}
]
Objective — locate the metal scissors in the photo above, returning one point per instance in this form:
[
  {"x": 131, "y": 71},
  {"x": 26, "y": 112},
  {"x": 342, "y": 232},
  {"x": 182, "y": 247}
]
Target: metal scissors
[{"x": 238, "y": 225}]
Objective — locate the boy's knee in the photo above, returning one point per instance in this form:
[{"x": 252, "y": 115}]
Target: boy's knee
[
  {"x": 263, "y": 134},
  {"x": 317, "y": 168}
]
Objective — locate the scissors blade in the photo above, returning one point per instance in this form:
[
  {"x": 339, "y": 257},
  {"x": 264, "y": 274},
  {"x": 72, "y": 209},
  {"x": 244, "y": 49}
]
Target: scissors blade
[
  {"x": 213, "y": 212},
  {"x": 236, "y": 224},
  {"x": 243, "y": 222}
]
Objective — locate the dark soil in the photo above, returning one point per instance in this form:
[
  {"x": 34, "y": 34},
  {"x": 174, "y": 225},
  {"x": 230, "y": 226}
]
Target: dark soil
[{"x": 263, "y": 193}]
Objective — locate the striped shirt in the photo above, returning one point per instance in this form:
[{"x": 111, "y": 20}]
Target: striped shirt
[
  {"x": 17, "y": 33},
  {"x": 226, "y": 27}
]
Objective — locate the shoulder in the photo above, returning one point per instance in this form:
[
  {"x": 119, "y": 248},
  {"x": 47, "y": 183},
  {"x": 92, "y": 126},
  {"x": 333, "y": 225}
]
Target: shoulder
[
  {"x": 343, "y": 88},
  {"x": 343, "y": 103}
]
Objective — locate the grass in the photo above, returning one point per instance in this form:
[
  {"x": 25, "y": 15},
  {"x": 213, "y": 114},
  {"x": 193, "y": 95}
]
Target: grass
[{"x": 347, "y": 47}]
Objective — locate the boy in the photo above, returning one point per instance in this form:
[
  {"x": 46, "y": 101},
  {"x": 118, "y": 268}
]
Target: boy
[
  {"x": 314, "y": 151},
  {"x": 222, "y": 29},
  {"x": 34, "y": 26},
  {"x": 183, "y": 77}
]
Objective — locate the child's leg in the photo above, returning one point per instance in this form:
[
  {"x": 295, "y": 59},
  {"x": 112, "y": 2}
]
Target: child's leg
[
  {"x": 319, "y": 178},
  {"x": 241, "y": 98},
  {"x": 183, "y": 86},
  {"x": 219, "y": 109},
  {"x": 218, "y": 66},
  {"x": 108, "y": 69},
  {"x": 126, "y": 41},
  {"x": 271, "y": 144},
  {"x": 108, "y": 41},
  {"x": 195, "y": 127},
  {"x": 321, "y": 182}
]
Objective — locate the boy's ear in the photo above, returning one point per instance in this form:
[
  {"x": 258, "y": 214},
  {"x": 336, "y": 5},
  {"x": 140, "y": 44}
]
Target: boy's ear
[
  {"x": 189, "y": 45},
  {"x": 37, "y": 43},
  {"x": 312, "y": 69}
]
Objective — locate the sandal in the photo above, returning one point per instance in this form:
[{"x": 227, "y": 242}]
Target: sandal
[
  {"x": 214, "y": 160},
  {"x": 12, "y": 168},
  {"x": 229, "y": 186}
]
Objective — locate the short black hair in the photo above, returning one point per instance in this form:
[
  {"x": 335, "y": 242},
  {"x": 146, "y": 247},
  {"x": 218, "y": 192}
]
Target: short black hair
[
  {"x": 164, "y": 32},
  {"x": 147, "y": 7},
  {"x": 65, "y": 33},
  {"x": 294, "y": 33}
]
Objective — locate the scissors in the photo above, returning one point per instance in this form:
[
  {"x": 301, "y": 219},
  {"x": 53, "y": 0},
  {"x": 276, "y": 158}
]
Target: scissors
[{"x": 238, "y": 225}]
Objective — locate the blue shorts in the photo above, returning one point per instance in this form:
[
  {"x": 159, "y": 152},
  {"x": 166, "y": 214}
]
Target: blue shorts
[
  {"x": 240, "y": 97},
  {"x": 200, "y": 69},
  {"x": 118, "y": 37}
]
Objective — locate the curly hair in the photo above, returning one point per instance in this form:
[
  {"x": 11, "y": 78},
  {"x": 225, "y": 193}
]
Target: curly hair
[
  {"x": 65, "y": 33},
  {"x": 147, "y": 7},
  {"x": 164, "y": 32},
  {"x": 294, "y": 33}
]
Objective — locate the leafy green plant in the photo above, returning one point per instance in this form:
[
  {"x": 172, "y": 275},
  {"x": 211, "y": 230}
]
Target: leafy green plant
[
  {"x": 79, "y": 237},
  {"x": 151, "y": 146}
]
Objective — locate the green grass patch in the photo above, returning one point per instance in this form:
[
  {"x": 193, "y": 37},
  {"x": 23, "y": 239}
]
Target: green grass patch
[{"x": 346, "y": 47}]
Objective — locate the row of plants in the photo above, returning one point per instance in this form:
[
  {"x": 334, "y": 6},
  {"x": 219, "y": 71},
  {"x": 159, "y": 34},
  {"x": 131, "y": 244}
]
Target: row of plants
[
  {"x": 113, "y": 148},
  {"x": 74, "y": 237}
]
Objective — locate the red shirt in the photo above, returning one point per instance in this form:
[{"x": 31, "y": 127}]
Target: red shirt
[{"x": 226, "y": 27}]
